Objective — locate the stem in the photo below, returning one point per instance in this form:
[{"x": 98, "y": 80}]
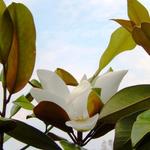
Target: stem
[
  {"x": 3, "y": 113},
  {"x": 95, "y": 75},
  {"x": 79, "y": 138},
  {"x": 72, "y": 137}
]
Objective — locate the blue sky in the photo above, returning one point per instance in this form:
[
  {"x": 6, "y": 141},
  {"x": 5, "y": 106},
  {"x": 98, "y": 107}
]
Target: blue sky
[{"x": 73, "y": 34}]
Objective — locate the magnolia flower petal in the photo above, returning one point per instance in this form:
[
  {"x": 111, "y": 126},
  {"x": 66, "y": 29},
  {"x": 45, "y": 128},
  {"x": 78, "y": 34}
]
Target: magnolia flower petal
[
  {"x": 44, "y": 95},
  {"x": 83, "y": 125},
  {"x": 77, "y": 101},
  {"x": 109, "y": 84},
  {"x": 52, "y": 82}
]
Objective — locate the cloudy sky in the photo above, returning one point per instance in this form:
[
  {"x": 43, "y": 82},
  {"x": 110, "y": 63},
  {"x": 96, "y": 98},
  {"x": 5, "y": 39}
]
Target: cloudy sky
[{"x": 73, "y": 34}]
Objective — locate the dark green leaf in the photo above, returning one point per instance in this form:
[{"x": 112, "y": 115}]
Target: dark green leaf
[
  {"x": 137, "y": 12},
  {"x": 141, "y": 127},
  {"x": 121, "y": 40},
  {"x": 22, "y": 55},
  {"x": 123, "y": 132},
  {"x": 66, "y": 77},
  {"x": 32, "y": 136},
  {"x": 6, "y": 125},
  {"x": 23, "y": 102},
  {"x": 6, "y": 36},
  {"x": 126, "y": 101}
]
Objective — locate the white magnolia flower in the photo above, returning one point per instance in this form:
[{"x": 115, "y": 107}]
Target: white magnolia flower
[{"x": 75, "y": 103}]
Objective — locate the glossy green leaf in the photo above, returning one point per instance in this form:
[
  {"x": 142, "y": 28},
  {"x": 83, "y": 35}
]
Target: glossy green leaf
[
  {"x": 6, "y": 36},
  {"x": 22, "y": 55},
  {"x": 141, "y": 127},
  {"x": 125, "y": 102},
  {"x": 123, "y": 132},
  {"x": 142, "y": 36},
  {"x": 2, "y": 7},
  {"x": 121, "y": 40},
  {"x": 23, "y": 102},
  {"x": 45, "y": 111},
  {"x": 137, "y": 12},
  {"x": 127, "y": 24},
  {"x": 69, "y": 146},
  {"x": 66, "y": 77},
  {"x": 32, "y": 136}
]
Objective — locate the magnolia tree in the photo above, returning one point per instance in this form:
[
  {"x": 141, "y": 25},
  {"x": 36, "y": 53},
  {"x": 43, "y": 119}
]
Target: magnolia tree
[{"x": 91, "y": 107}]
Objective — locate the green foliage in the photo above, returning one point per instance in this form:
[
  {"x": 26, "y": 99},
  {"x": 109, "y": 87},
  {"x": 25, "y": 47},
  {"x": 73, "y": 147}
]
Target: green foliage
[
  {"x": 123, "y": 132},
  {"x": 32, "y": 136},
  {"x": 125, "y": 102},
  {"x": 23, "y": 102},
  {"x": 137, "y": 12},
  {"x": 141, "y": 128},
  {"x": 15, "y": 108},
  {"x": 121, "y": 40},
  {"x": 6, "y": 36},
  {"x": 21, "y": 59}
]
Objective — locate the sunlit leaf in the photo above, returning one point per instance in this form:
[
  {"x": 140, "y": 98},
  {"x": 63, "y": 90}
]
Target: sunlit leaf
[
  {"x": 2, "y": 7},
  {"x": 141, "y": 127},
  {"x": 142, "y": 36},
  {"x": 6, "y": 36},
  {"x": 127, "y": 24},
  {"x": 23, "y": 102},
  {"x": 15, "y": 108},
  {"x": 125, "y": 102},
  {"x": 66, "y": 77},
  {"x": 32, "y": 136},
  {"x": 22, "y": 55},
  {"x": 121, "y": 40},
  {"x": 52, "y": 114},
  {"x": 123, "y": 132},
  {"x": 137, "y": 12},
  {"x": 70, "y": 146}
]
